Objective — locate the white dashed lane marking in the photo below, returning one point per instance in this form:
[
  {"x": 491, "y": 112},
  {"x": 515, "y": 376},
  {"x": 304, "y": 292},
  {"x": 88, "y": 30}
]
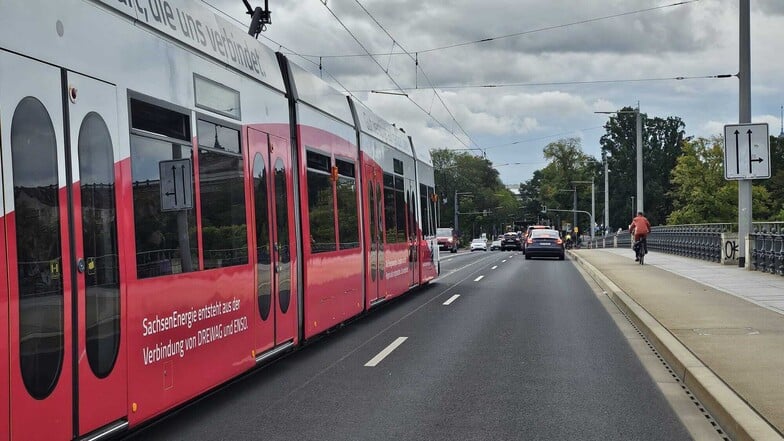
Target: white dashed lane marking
[
  {"x": 494, "y": 267},
  {"x": 479, "y": 278},
  {"x": 388, "y": 350},
  {"x": 451, "y": 299}
]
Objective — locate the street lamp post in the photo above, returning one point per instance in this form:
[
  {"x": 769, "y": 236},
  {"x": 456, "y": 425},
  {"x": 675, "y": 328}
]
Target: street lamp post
[
  {"x": 456, "y": 227},
  {"x": 574, "y": 206},
  {"x": 606, "y": 201},
  {"x": 593, "y": 203},
  {"x": 638, "y": 125}
]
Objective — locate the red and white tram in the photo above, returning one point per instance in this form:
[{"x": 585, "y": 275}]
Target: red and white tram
[{"x": 179, "y": 205}]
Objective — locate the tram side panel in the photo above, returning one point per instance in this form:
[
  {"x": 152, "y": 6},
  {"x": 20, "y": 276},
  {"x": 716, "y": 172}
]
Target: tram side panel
[
  {"x": 398, "y": 168},
  {"x": 426, "y": 210},
  {"x": 330, "y": 202},
  {"x": 4, "y": 349},
  {"x": 190, "y": 281}
]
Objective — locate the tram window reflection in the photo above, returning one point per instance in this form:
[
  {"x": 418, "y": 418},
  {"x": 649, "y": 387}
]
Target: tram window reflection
[
  {"x": 321, "y": 203},
  {"x": 165, "y": 240}
]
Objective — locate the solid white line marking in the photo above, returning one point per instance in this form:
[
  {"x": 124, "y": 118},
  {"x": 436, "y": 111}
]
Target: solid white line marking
[
  {"x": 451, "y": 299},
  {"x": 479, "y": 278},
  {"x": 388, "y": 350},
  {"x": 494, "y": 267}
]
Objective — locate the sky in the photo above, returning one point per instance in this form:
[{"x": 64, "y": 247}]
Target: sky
[{"x": 568, "y": 59}]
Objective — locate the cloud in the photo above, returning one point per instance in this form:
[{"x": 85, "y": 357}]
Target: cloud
[{"x": 693, "y": 40}]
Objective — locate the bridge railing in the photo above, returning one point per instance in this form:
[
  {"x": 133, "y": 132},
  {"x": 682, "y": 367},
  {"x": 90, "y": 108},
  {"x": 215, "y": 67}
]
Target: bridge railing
[
  {"x": 715, "y": 242},
  {"x": 767, "y": 247}
]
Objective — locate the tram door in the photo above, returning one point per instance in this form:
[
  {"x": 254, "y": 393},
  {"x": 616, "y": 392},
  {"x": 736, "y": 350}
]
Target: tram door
[
  {"x": 94, "y": 162},
  {"x": 413, "y": 232},
  {"x": 63, "y": 298},
  {"x": 375, "y": 239},
  {"x": 276, "y": 319}
]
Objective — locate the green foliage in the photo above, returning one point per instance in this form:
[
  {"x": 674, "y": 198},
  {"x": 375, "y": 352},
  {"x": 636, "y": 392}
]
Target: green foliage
[
  {"x": 701, "y": 194},
  {"x": 488, "y": 207},
  {"x": 775, "y": 185},
  {"x": 662, "y": 139}
]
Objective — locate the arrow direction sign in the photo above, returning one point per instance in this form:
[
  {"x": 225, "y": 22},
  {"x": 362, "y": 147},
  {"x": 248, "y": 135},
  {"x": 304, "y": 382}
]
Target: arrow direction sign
[
  {"x": 176, "y": 185},
  {"x": 746, "y": 151}
]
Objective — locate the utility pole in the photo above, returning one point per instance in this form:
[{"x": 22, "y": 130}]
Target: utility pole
[
  {"x": 639, "y": 159},
  {"x": 744, "y": 117},
  {"x": 593, "y": 209},
  {"x": 593, "y": 203},
  {"x": 455, "y": 231},
  {"x": 606, "y": 199},
  {"x": 574, "y": 207}
]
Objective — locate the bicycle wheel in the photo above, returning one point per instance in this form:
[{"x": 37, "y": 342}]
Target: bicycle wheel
[{"x": 641, "y": 255}]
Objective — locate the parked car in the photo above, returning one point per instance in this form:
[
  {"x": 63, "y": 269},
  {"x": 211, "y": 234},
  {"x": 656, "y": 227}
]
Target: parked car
[
  {"x": 479, "y": 244},
  {"x": 511, "y": 241},
  {"x": 528, "y": 233},
  {"x": 447, "y": 240},
  {"x": 544, "y": 243},
  {"x": 495, "y": 245}
]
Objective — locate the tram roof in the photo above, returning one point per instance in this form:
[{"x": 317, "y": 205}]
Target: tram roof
[
  {"x": 318, "y": 93},
  {"x": 375, "y": 126},
  {"x": 190, "y": 23}
]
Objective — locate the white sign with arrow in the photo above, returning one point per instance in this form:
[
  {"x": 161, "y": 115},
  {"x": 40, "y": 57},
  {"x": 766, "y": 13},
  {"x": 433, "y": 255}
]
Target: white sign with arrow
[
  {"x": 176, "y": 185},
  {"x": 746, "y": 151}
]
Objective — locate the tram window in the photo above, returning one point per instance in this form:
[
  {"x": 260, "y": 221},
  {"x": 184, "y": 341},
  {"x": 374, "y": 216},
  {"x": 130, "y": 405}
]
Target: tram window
[
  {"x": 389, "y": 208},
  {"x": 397, "y": 165},
  {"x": 434, "y": 201},
  {"x": 400, "y": 209},
  {"x": 321, "y": 203},
  {"x": 432, "y": 211},
  {"x": 425, "y": 213},
  {"x": 99, "y": 235},
  {"x": 165, "y": 240},
  {"x": 348, "y": 220},
  {"x": 283, "y": 239},
  {"x": 216, "y": 97},
  {"x": 38, "y": 249},
  {"x": 261, "y": 207},
  {"x": 222, "y": 195},
  {"x": 155, "y": 119}
]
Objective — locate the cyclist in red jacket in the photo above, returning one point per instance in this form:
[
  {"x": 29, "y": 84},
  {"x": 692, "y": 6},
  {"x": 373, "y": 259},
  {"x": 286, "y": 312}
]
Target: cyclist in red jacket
[{"x": 639, "y": 228}]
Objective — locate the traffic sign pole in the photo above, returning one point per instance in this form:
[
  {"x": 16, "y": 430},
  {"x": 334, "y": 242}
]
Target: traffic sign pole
[{"x": 744, "y": 110}]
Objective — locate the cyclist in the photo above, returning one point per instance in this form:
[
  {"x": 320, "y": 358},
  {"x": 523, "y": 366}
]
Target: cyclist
[
  {"x": 639, "y": 228},
  {"x": 568, "y": 240}
]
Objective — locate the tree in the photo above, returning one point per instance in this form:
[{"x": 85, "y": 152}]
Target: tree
[
  {"x": 490, "y": 203},
  {"x": 567, "y": 164},
  {"x": 775, "y": 185},
  {"x": 662, "y": 138},
  {"x": 701, "y": 194}
]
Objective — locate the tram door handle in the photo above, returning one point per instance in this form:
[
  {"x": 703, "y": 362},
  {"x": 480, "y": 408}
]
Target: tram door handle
[{"x": 80, "y": 266}]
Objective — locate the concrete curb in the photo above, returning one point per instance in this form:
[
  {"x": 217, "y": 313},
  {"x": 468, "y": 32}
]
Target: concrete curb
[{"x": 736, "y": 417}]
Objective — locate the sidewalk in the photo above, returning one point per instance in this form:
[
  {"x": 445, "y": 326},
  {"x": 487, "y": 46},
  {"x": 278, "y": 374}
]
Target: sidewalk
[{"x": 720, "y": 328}]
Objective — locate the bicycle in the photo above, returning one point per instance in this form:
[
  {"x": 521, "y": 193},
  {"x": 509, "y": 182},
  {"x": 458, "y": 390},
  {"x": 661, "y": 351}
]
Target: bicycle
[{"x": 640, "y": 250}]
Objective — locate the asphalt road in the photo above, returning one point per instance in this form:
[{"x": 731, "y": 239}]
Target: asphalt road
[{"x": 525, "y": 352}]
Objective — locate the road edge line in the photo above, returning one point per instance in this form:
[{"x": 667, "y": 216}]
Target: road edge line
[{"x": 736, "y": 417}]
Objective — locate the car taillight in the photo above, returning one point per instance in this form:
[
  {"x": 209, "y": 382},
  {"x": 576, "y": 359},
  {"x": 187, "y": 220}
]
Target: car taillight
[
  {"x": 529, "y": 240},
  {"x": 559, "y": 241},
  {"x": 450, "y": 240}
]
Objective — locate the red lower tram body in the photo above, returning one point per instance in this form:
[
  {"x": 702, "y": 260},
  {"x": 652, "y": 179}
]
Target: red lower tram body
[{"x": 176, "y": 214}]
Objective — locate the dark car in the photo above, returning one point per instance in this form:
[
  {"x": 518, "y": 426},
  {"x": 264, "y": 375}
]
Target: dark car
[
  {"x": 544, "y": 243},
  {"x": 511, "y": 241},
  {"x": 528, "y": 233}
]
